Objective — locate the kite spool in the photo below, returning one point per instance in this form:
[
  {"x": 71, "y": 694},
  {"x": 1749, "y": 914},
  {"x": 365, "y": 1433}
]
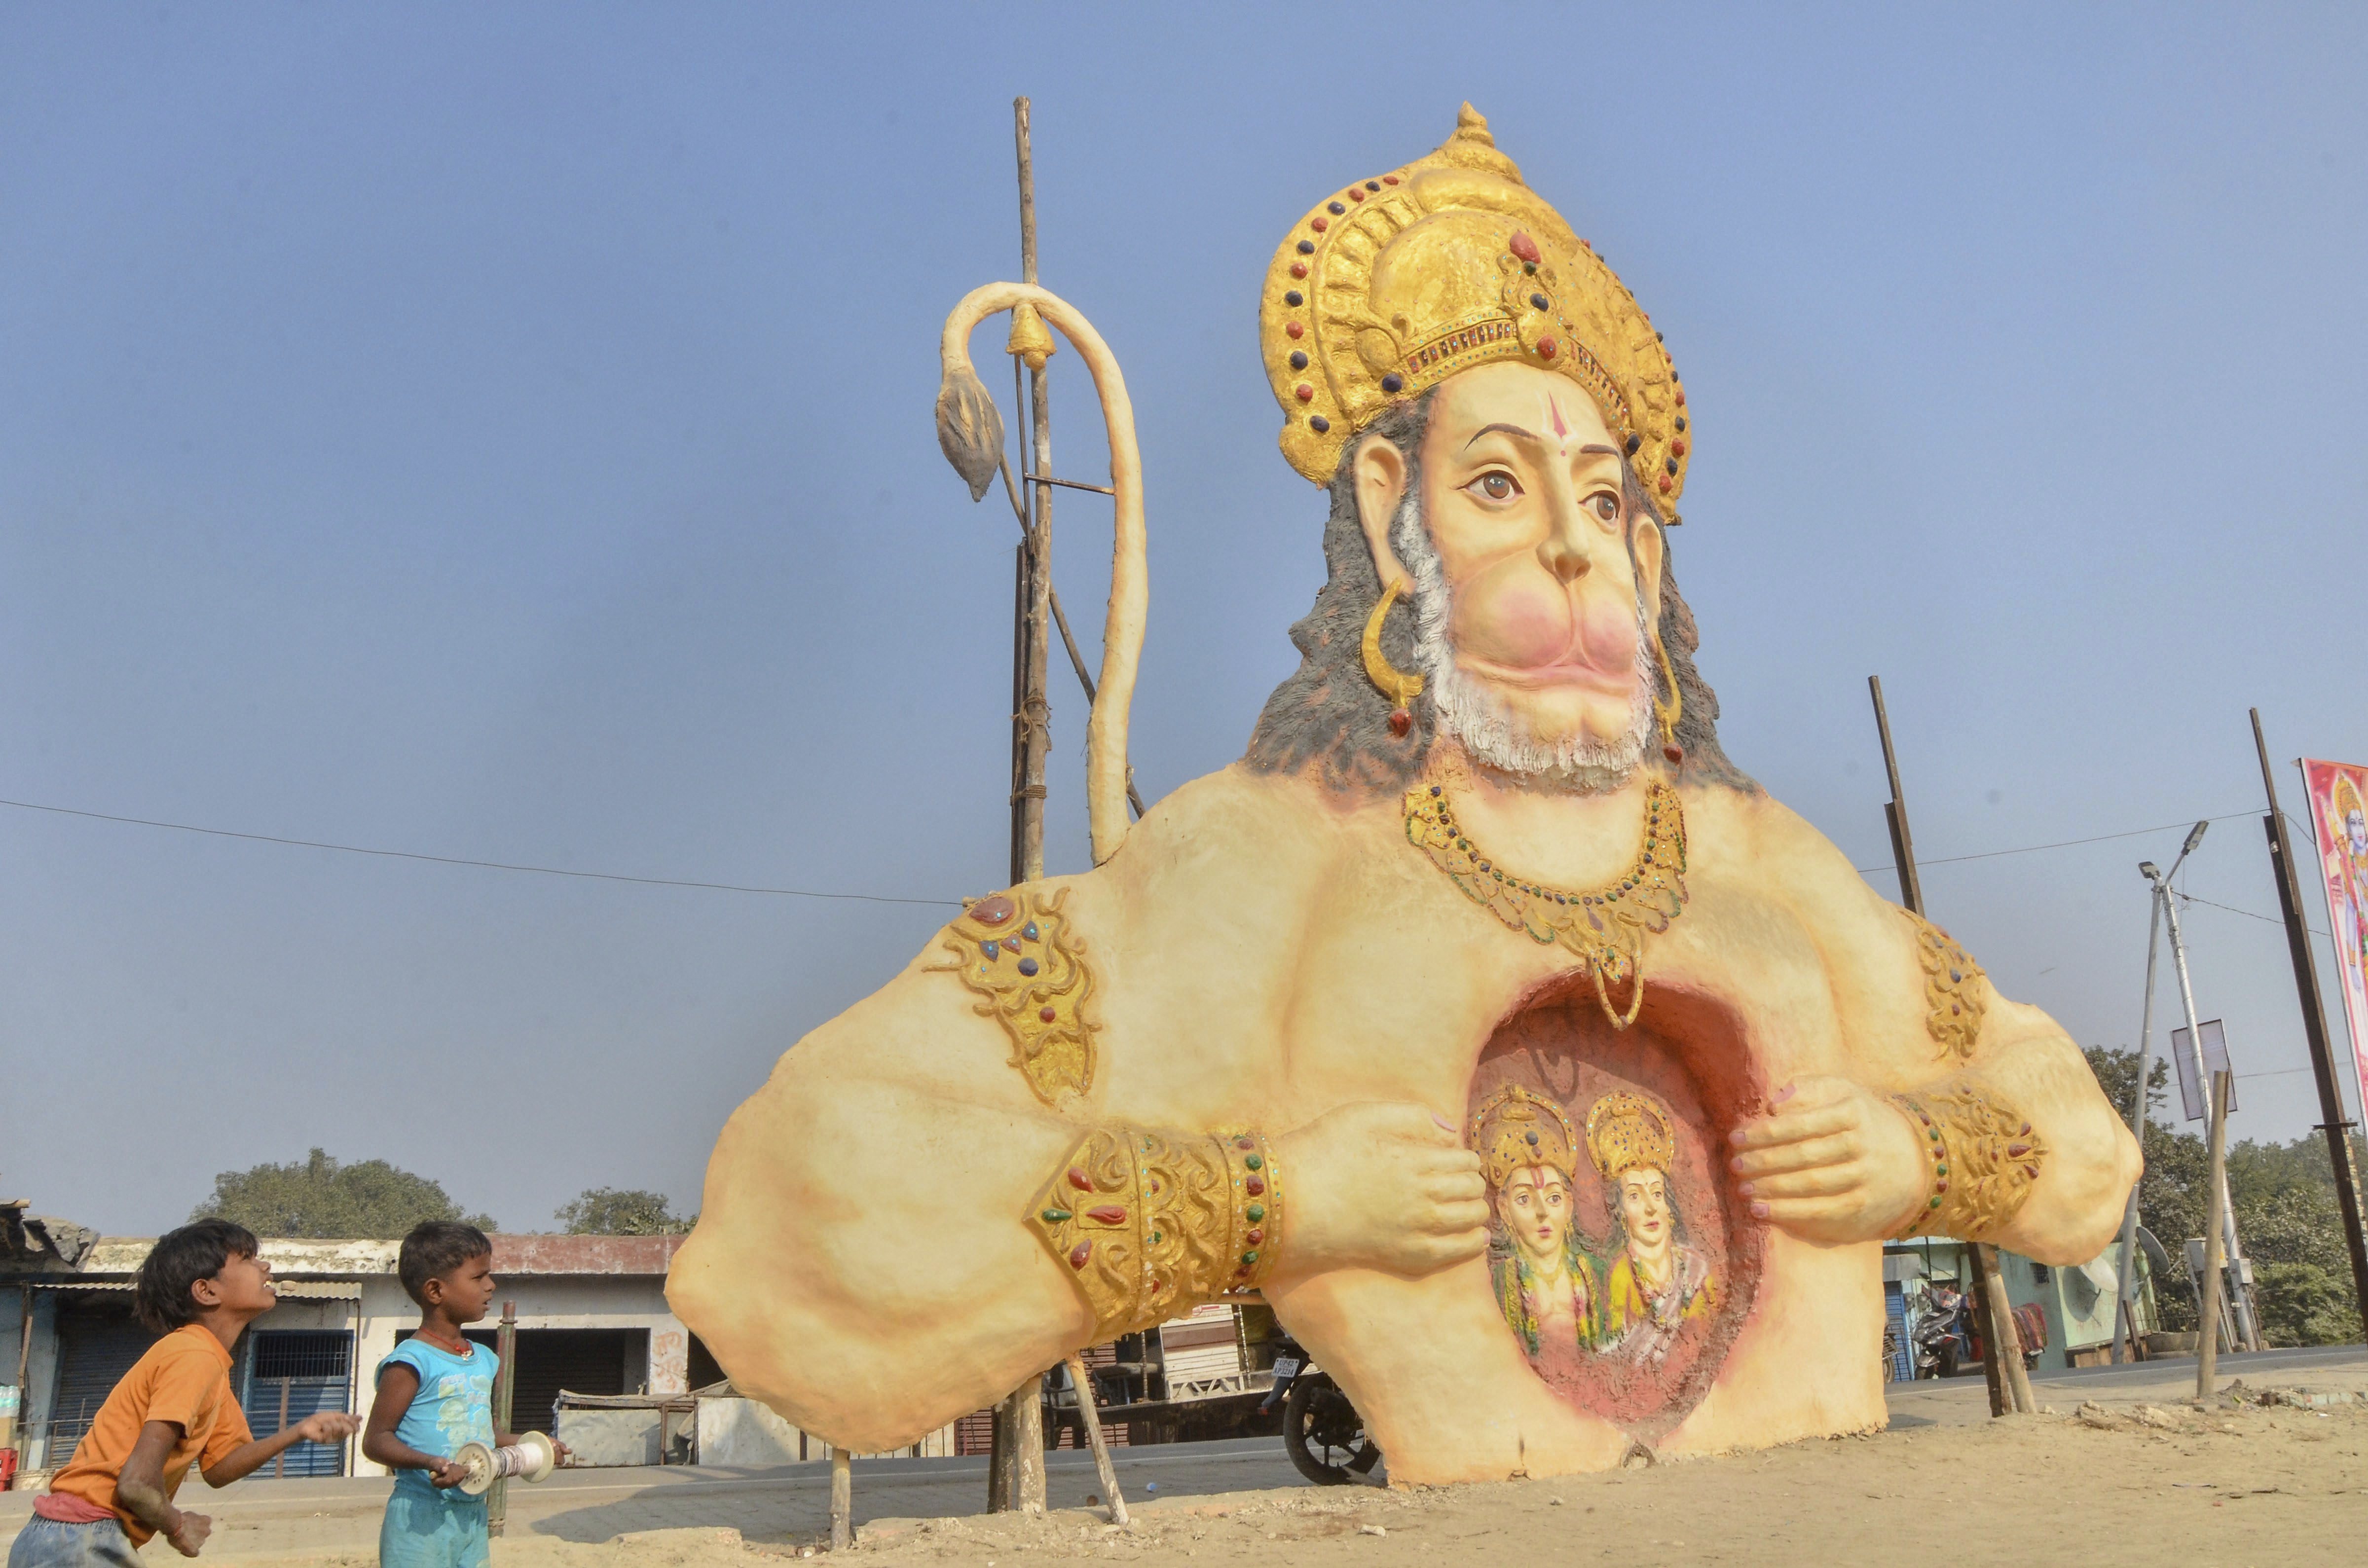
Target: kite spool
[{"x": 531, "y": 1459}]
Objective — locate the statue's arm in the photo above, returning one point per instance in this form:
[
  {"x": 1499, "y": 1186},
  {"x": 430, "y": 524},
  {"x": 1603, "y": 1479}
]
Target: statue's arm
[
  {"x": 1958, "y": 1112},
  {"x": 861, "y": 1263}
]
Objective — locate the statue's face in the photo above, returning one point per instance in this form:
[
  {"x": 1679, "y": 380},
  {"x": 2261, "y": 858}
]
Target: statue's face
[
  {"x": 1644, "y": 1207},
  {"x": 2355, "y": 828},
  {"x": 1521, "y": 491},
  {"x": 1535, "y": 1207}
]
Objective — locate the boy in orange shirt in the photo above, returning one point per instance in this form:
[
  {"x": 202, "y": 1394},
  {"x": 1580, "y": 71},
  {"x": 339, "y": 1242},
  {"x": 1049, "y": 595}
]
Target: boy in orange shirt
[{"x": 200, "y": 1288}]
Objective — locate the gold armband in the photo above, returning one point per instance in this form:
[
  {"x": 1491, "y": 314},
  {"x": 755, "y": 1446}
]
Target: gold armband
[
  {"x": 1956, "y": 992},
  {"x": 1151, "y": 1223},
  {"x": 1984, "y": 1158}
]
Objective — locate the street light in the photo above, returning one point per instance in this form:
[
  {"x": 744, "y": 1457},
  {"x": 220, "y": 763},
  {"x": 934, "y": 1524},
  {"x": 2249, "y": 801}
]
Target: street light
[{"x": 2164, "y": 911}]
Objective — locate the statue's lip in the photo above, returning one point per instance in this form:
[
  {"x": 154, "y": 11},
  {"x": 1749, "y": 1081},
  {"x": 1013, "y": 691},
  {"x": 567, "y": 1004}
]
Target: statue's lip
[{"x": 1620, "y": 683}]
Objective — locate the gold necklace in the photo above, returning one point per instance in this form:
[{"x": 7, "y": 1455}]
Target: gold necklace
[{"x": 1605, "y": 928}]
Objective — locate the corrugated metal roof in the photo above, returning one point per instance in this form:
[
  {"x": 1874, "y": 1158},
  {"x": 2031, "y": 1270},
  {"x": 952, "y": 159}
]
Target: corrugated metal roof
[{"x": 289, "y": 1290}]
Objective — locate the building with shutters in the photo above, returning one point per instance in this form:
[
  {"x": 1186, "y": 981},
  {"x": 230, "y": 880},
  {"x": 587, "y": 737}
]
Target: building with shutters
[{"x": 591, "y": 1313}]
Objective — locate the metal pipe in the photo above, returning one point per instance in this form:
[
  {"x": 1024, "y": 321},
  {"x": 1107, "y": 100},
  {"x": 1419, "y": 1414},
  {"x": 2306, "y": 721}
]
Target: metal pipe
[
  {"x": 842, "y": 1500},
  {"x": 2207, "y": 1338},
  {"x": 2125, "y": 1274},
  {"x": 2224, "y": 1240}
]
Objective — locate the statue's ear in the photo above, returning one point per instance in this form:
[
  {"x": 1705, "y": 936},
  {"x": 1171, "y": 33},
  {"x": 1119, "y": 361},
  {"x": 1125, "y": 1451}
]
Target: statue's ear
[
  {"x": 1649, "y": 548},
  {"x": 1381, "y": 473}
]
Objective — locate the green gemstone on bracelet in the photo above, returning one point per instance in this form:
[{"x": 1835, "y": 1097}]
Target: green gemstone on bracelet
[
  {"x": 1251, "y": 1162},
  {"x": 1935, "y": 1203},
  {"x": 1251, "y": 1256},
  {"x": 1054, "y": 1216},
  {"x": 1257, "y": 1212}
]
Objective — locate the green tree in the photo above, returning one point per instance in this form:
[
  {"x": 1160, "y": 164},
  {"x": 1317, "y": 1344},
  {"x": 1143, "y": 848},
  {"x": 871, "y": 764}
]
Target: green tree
[
  {"x": 323, "y": 1199},
  {"x": 2283, "y": 1195},
  {"x": 622, "y": 1211}
]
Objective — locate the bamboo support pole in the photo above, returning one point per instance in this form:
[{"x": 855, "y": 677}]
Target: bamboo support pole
[
  {"x": 1091, "y": 1419},
  {"x": 842, "y": 1501}
]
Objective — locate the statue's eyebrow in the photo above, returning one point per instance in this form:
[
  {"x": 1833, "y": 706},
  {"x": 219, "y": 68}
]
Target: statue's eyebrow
[
  {"x": 1506, "y": 430},
  {"x": 1593, "y": 450}
]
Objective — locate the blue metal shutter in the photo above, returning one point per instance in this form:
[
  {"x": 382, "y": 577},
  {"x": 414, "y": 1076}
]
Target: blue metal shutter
[{"x": 296, "y": 1373}]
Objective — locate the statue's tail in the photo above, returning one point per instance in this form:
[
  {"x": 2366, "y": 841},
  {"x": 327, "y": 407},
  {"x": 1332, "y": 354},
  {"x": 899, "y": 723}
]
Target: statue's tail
[{"x": 971, "y": 431}]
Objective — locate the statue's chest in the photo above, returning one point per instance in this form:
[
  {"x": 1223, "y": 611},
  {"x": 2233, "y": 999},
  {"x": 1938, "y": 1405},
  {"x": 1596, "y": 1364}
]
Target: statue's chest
[{"x": 1410, "y": 998}]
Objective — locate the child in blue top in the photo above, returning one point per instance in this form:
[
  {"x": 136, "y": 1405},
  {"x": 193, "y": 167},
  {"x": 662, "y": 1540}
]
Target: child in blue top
[{"x": 436, "y": 1393}]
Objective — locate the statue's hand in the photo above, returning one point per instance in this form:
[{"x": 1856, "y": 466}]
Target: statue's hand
[
  {"x": 1832, "y": 1161},
  {"x": 1383, "y": 1187}
]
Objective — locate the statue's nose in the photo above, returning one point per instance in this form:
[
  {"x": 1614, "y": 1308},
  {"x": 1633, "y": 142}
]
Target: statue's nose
[{"x": 1564, "y": 551}]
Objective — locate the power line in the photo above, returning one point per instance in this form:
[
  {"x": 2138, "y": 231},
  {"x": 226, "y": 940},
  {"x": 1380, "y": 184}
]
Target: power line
[
  {"x": 2060, "y": 843},
  {"x": 485, "y": 865},
  {"x": 2264, "y": 919}
]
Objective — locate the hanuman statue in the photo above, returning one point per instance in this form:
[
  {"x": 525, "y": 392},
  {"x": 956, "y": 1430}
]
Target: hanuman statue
[{"x": 1236, "y": 1058}]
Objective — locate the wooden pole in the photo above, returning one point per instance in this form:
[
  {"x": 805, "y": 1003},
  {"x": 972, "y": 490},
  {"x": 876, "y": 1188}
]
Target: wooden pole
[
  {"x": 2332, "y": 1121},
  {"x": 24, "y": 1361},
  {"x": 497, "y": 1496},
  {"x": 2207, "y": 1340},
  {"x": 1091, "y": 1418},
  {"x": 1015, "y": 1477},
  {"x": 2002, "y": 1366},
  {"x": 842, "y": 1500}
]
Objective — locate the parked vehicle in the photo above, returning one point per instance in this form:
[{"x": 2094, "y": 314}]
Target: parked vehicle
[
  {"x": 1321, "y": 1430},
  {"x": 1943, "y": 1335}
]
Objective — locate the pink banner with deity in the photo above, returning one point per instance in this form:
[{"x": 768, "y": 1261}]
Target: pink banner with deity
[{"x": 2338, "y": 815}]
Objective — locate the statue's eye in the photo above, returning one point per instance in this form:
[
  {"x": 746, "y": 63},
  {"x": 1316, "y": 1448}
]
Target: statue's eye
[
  {"x": 1496, "y": 486},
  {"x": 1606, "y": 506}
]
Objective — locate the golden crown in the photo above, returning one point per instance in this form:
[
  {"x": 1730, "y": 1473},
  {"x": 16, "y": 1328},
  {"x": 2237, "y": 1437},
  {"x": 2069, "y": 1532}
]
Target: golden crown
[
  {"x": 1390, "y": 287},
  {"x": 1514, "y": 1128},
  {"x": 1626, "y": 1133}
]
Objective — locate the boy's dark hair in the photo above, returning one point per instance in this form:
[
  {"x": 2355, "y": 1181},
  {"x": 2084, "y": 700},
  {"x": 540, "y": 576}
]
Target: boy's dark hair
[
  {"x": 178, "y": 1260},
  {"x": 434, "y": 1248}
]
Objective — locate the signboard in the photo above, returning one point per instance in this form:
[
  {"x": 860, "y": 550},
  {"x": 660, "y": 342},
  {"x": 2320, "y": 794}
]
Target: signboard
[
  {"x": 2215, "y": 1060},
  {"x": 2338, "y": 819}
]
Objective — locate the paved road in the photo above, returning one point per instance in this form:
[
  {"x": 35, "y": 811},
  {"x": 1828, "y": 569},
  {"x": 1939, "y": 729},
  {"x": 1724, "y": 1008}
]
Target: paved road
[
  {"x": 262, "y": 1518},
  {"x": 1963, "y": 1401}
]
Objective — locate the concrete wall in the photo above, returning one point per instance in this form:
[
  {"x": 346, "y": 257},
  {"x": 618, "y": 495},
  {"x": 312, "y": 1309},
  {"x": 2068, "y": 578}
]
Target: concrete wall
[
  {"x": 741, "y": 1434},
  {"x": 611, "y": 1300}
]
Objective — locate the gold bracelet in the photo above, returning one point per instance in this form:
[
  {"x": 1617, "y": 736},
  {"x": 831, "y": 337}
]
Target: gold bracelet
[
  {"x": 1984, "y": 1161},
  {"x": 1151, "y": 1222}
]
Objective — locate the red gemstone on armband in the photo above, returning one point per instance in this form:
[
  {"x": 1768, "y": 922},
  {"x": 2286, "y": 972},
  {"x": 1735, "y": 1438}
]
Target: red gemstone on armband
[
  {"x": 992, "y": 910},
  {"x": 1254, "y": 1186},
  {"x": 1107, "y": 1214},
  {"x": 1079, "y": 1254},
  {"x": 1081, "y": 1180}
]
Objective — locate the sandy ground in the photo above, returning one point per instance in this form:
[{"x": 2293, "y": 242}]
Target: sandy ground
[
  {"x": 2123, "y": 1468},
  {"x": 2110, "y": 1482}
]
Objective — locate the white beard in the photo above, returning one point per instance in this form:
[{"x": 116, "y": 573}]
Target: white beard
[{"x": 1491, "y": 732}]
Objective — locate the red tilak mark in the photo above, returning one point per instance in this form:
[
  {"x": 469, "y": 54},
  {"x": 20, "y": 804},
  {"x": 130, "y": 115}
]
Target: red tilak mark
[{"x": 1553, "y": 406}]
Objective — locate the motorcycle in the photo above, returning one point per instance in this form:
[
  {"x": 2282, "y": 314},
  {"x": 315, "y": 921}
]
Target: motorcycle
[
  {"x": 1943, "y": 1335},
  {"x": 1321, "y": 1430}
]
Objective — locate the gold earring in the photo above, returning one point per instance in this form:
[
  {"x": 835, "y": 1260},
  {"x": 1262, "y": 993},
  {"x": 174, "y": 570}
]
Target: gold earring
[
  {"x": 1670, "y": 711},
  {"x": 1400, "y": 688}
]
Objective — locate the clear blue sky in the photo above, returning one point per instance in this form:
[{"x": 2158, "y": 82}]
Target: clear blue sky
[{"x": 504, "y": 432}]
